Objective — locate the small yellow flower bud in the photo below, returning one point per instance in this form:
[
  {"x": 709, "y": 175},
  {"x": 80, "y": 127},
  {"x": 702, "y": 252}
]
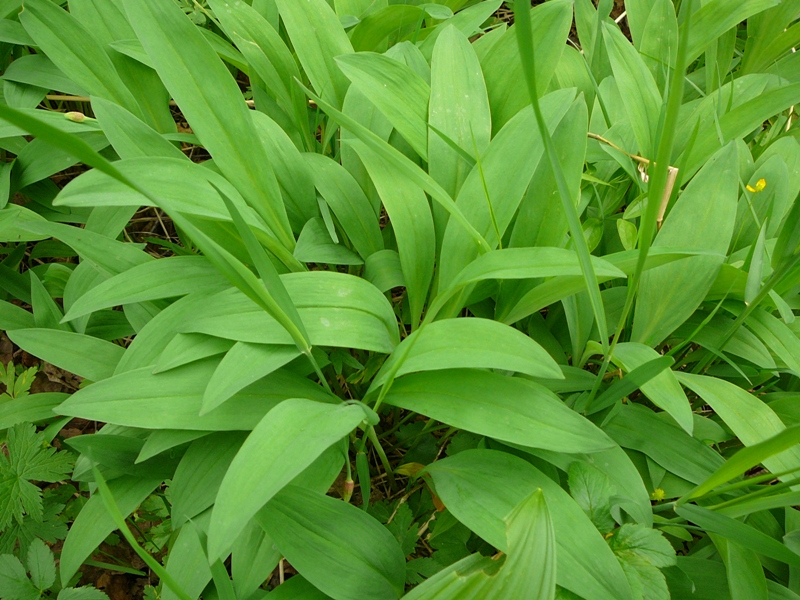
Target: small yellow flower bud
[
  {"x": 759, "y": 187},
  {"x": 75, "y": 117}
]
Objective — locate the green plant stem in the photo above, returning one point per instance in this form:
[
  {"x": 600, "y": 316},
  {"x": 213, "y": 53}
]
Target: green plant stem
[
  {"x": 119, "y": 520},
  {"x": 658, "y": 183},
  {"x": 522, "y": 10}
]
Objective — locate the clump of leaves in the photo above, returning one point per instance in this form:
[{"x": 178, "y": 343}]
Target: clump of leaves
[
  {"x": 28, "y": 458},
  {"x": 37, "y": 578},
  {"x": 534, "y": 300}
]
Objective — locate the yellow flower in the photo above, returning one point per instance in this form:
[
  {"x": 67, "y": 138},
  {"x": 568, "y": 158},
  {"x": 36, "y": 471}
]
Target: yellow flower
[
  {"x": 760, "y": 185},
  {"x": 658, "y": 494}
]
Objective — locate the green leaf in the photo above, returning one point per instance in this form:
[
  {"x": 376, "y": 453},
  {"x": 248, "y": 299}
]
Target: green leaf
[
  {"x": 265, "y": 51},
  {"x": 470, "y": 343},
  {"x": 636, "y": 379},
  {"x": 94, "y": 523},
  {"x": 702, "y": 218},
  {"x": 318, "y": 37},
  {"x": 316, "y": 246},
  {"x": 14, "y": 582},
  {"x": 242, "y": 365},
  {"x": 348, "y": 202},
  {"x": 643, "y": 542},
  {"x": 663, "y": 389},
  {"x": 200, "y": 473},
  {"x": 394, "y": 160},
  {"x": 522, "y": 412},
  {"x": 531, "y": 542},
  {"x": 129, "y": 136},
  {"x": 399, "y": 93},
  {"x": 383, "y": 270},
  {"x": 745, "y": 574},
  {"x": 173, "y": 400},
  {"x": 523, "y": 263},
  {"x": 187, "y": 563},
  {"x": 777, "y": 336},
  {"x": 291, "y": 170},
  {"x": 166, "y": 278},
  {"x": 481, "y": 487},
  {"x": 218, "y": 114},
  {"x": 747, "y": 458},
  {"x": 504, "y": 70},
  {"x": 636, "y": 86},
  {"x": 738, "y": 532},
  {"x": 337, "y": 310},
  {"x": 489, "y": 198},
  {"x": 378, "y": 25},
  {"x": 748, "y": 417},
  {"x": 319, "y": 535},
  {"x": 737, "y": 123},
  {"x": 412, "y": 223},
  {"x": 33, "y": 408},
  {"x": 14, "y": 317},
  {"x": 86, "y": 356},
  {"x": 29, "y": 459},
  {"x": 592, "y": 490},
  {"x": 187, "y": 348},
  {"x": 459, "y": 109},
  {"x": 286, "y": 441},
  {"x": 81, "y": 593},
  {"x": 715, "y": 17},
  {"x": 638, "y": 428},
  {"x": 75, "y": 51},
  {"x": 41, "y": 564}
]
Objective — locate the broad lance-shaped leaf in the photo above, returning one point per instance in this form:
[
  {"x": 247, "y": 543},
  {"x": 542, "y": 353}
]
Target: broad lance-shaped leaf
[
  {"x": 318, "y": 37},
  {"x": 337, "y": 310},
  {"x": 86, "y": 356},
  {"x": 525, "y": 42},
  {"x": 166, "y": 278},
  {"x": 397, "y": 161},
  {"x": 265, "y": 51},
  {"x": 398, "y": 92},
  {"x": 459, "y": 109},
  {"x": 505, "y": 71},
  {"x": 489, "y": 198},
  {"x": 703, "y": 217},
  {"x": 636, "y": 427},
  {"x": 173, "y": 400},
  {"x": 29, "y": 409},
  {"x": 663, "y": 389},
  {"x": 76, "y": 51},
  {"x": 218, "y": 115},
  {"x": 521, "y": 263},
  {"x": 320, "y": 535},
  {"x": 522, "y": 412},
  {"x": 243, "y": 364},
  {"x": 749, "y": 418},
  {"x": 482, "y": 487},
  {"x": 529, "y": 570},
  {"x": 348, "y": 202},
  {"x": 471, "y": 343},
  {"x": 285, "y": 442},
  {"x": 637, "y": 88},
  {"x": 412, "y": 222},
  {"x": 199, "y": 474}
]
